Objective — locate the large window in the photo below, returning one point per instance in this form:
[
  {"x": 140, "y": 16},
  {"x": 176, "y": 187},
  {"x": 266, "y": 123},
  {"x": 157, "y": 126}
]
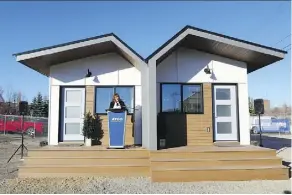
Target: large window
[
  {"x": 104, "y": 95},
  {"x": 185, "y": 98}
]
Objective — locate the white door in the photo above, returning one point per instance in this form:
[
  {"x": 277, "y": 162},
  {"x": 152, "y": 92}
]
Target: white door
[
  {"x": 73, "y": 113},
  {"x": 225, "y": 115}
]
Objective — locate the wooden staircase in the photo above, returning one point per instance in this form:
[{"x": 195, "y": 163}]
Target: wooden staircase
[
  {"x": 216, "y": 164},
  {"x": 184, "y": 164},
  {"x": 65, "y": 162}
]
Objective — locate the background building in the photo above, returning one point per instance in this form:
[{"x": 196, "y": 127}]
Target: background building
[{"x": 267, "y": 105}]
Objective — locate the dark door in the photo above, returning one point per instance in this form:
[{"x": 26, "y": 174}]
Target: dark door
[{"x": 172, "y": 128}]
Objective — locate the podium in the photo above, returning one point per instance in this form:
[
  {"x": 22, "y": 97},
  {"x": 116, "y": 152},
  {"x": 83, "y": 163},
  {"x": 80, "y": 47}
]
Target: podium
[{"x": 117, "y": 126}]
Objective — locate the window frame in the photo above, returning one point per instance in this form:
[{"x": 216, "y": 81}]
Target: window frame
[
  {"x": 181, "y": 98},
  {"x": 114, "y": 91}
]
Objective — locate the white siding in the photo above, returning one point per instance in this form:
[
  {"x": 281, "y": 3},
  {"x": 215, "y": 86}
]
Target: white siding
[
  {"x": 186, "y": 65},
  {"x": 107, "y": 69}
]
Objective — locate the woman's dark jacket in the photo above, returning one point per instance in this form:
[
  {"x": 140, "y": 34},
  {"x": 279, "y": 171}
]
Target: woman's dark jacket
[{"x": 123, "y": 106}]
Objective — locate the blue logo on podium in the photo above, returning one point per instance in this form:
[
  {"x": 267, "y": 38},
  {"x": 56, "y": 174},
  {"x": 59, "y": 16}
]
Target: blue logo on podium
[{"x": 117, "y": 119}]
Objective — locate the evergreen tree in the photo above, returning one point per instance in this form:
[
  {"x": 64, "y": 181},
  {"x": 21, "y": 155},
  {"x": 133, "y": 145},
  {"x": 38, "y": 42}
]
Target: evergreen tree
[
  {"x": 45, "y": 107},
  {"x": 39, "y": 106},
  {"x": 33, "y": 106}
]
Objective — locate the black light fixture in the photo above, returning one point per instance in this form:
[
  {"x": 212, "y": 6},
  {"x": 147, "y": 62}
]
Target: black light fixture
[
  {"x": 207, "y": 70},
  {"x": 88, "y": 73}
]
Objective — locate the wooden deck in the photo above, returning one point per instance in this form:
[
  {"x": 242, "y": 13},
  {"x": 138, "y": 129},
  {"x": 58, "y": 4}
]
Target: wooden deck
[
  {"x": 215, "y": 163},
  {"x": 183, "y": 164}
]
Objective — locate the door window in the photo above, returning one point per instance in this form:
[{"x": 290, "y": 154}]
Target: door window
[{"x": 222, "y": 94}]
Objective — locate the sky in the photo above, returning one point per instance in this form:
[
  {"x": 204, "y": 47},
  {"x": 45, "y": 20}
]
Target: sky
[{"x": 144, "y": 26}]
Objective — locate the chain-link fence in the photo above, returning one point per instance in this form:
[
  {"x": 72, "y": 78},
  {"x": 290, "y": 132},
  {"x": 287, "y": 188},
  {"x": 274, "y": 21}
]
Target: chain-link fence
[{"x": 31, "y": 126}]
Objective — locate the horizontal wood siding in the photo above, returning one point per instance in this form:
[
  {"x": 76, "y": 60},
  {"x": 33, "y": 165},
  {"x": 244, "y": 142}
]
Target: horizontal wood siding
[
  {"x": 89, "y": 96},
  {"x": 129, "y": 140},
  {"x": 197, "y": 124}
]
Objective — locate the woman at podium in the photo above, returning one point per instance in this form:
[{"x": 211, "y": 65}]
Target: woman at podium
[
  {"x": 117, "y": 117},
  {"x": 117, "y": 103}
]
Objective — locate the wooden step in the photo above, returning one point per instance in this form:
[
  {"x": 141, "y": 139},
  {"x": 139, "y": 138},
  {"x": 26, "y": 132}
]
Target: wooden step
[
  {"x": 229, "y": 173},
  {"x": 82, "y": 170},
  {"x": 200, "y": 142},
  {"x": 85, "y": 161},
  {"x": 212, "y": 154},
  {"x": 88, "y": 152},
  {"x": 201, "y": 163}
]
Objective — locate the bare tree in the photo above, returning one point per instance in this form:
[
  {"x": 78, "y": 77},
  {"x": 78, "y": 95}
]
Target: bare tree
[
  {"x": 12, "y": 99},
  {"x": 1, "y": 91},
  {"x": 276, "y": 111},
  {"x": 9, "y": 95},
  {"x": 285, "y": 110},
  {"x": 2, "y": 103}
]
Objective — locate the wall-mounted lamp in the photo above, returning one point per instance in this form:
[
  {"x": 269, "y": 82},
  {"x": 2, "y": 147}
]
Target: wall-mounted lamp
[
  {"x": 88, "y": 74},
  {"x": 207, "y": 70}
]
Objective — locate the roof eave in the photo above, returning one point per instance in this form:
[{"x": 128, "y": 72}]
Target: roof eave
[{"x": 281, "y": 53}]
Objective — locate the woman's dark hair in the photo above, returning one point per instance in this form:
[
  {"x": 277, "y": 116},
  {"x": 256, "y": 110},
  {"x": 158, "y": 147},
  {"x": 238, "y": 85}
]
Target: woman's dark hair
[{"x": 116, "y": 95}]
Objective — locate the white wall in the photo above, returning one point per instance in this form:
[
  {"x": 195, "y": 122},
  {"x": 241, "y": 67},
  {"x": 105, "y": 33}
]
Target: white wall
[
  {"x": 187, "y": 66},
  {"x": 107, "y": 69},
  {"x": 243, "y": 114}
]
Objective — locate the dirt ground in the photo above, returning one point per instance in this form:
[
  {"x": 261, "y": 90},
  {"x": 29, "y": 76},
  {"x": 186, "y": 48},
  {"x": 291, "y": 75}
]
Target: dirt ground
[{"x": 8, "y": 145}]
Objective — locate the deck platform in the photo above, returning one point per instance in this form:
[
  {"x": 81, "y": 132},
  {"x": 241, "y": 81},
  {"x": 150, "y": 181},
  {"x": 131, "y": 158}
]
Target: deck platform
[{"x": 182, "y": 164}]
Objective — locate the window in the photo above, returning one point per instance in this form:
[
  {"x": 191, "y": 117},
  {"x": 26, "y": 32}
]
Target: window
[
  {"x": 192, "y": 99},
  {"x": 171, "y": 98},
  {"x": 104, "y": 95},
  {"x": 185, "y": 98}
]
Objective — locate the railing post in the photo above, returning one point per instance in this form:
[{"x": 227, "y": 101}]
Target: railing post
[{"x": 4, "y": 124}]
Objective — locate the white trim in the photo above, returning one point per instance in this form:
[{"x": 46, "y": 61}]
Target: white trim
[
  {"x": 49, "y": 117},
  {"x": 61, "y": 48}
]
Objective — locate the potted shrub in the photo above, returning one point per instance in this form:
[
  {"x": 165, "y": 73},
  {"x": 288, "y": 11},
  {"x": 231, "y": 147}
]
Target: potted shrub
[
  {"x": 92, "y": 129},
  {"x": 98, "y": 132},
  {"x": 88, "y": 128}
]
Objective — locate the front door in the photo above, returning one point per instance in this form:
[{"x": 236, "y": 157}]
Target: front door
[
  {"x": 225, "y": 113},
  {"x": 72, "y": 115}
]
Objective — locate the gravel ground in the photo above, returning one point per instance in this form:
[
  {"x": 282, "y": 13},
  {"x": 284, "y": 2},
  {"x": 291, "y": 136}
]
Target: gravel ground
[
  {"x": 97, "y": 185},
  {"x": 102, "y": 185}
]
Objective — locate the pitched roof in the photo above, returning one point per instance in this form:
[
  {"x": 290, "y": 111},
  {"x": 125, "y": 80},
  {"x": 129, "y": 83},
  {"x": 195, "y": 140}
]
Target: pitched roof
[
  {"x": 255, "y": 55},
  {"x": 41, "y": 59}
]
